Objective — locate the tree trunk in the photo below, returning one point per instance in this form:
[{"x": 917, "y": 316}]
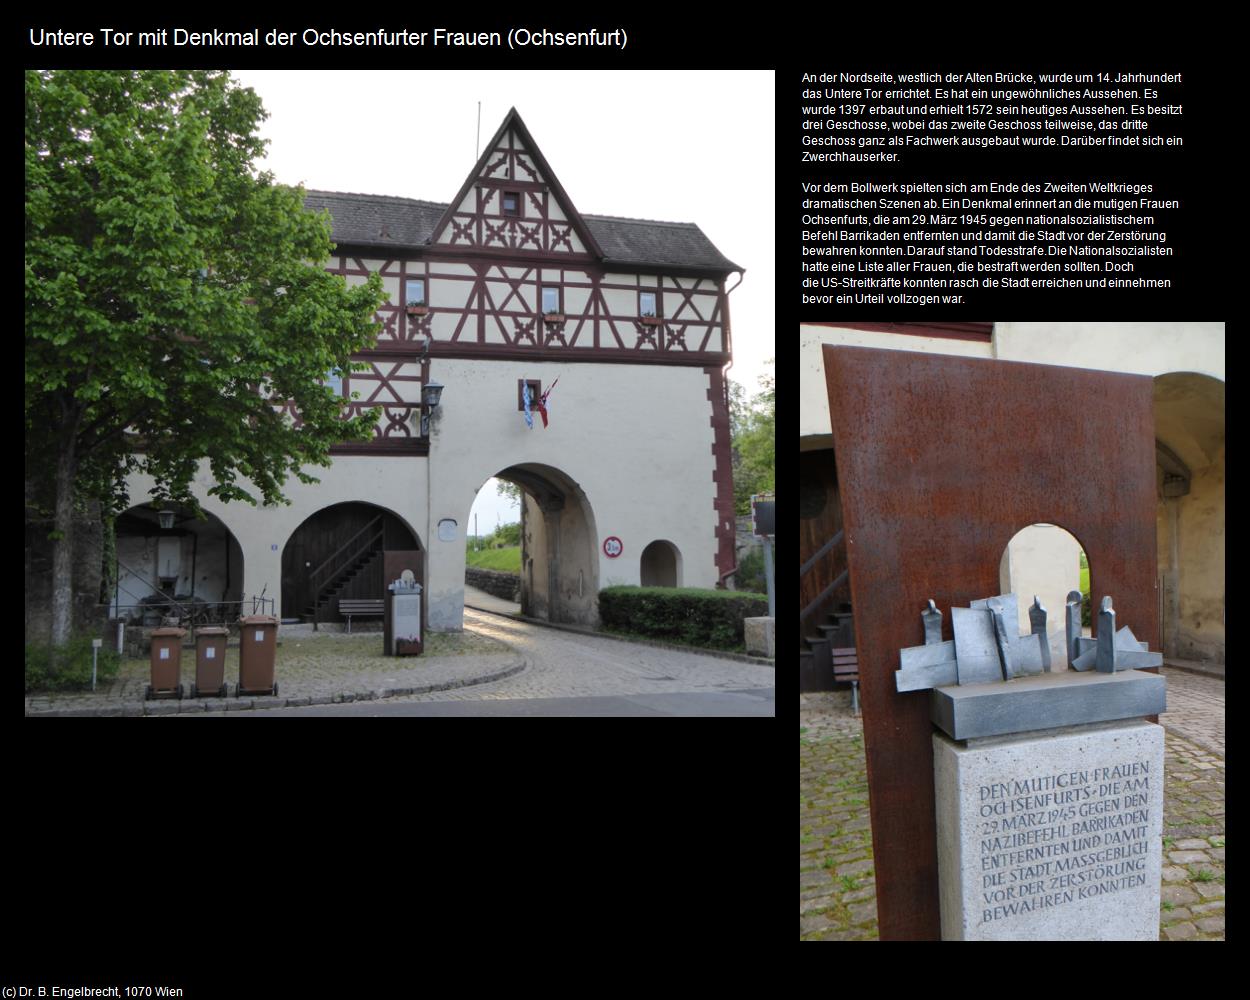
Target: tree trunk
[{"x": 63, "y": 543}]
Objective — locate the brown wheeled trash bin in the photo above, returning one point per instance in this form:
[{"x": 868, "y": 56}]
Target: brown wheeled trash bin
[
  {"x": 258, "y": 646},
  {"x": 166, "y": 663},
  {"x": 210, "y": 662}
]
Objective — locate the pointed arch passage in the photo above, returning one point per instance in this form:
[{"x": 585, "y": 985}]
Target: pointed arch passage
[{"x": 559, "y": 545}]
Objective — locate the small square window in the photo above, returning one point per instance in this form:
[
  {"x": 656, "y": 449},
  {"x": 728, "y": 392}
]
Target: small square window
[
  {"x": 334, "y": 380},
  {"x": 551, "y": 300},
  {"x": 646, "y": 303},
  {"x": 536, "y": 391},
  {"x": 414, "y": 292},
  {"x": 511, "y": 203}
]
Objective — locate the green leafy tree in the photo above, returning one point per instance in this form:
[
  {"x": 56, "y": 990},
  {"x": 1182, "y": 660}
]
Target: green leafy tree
[
  {"x": 753, "y": 431},
  {"x": 173, "y": 301},
  {"x": 504, "y": 488}
]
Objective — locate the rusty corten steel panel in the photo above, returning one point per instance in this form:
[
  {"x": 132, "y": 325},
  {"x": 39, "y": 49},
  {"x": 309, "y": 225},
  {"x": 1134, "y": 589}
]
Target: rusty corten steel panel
[{"x": 941, "y": 460}]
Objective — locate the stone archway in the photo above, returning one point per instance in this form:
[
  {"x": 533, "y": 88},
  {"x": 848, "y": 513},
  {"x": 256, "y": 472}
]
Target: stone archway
[
  {"x": 1190, "y": 468},
  {"x": 559, "y": 546},
  {"x": 197, "y": 562},
  {"x": 336, "y": 553}
]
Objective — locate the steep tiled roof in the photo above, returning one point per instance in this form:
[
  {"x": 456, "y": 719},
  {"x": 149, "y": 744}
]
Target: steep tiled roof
[
  {"x": 377, "y": 219},
  {"x": 642, "y": 241},
  {"x": 386, "y": 221}
]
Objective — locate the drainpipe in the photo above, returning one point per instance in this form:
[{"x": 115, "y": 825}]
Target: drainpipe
[{"x": 720, "y": 582}]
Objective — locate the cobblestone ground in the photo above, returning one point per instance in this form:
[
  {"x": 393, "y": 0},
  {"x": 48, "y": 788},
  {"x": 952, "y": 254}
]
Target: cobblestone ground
[
  {"x": 1193, "y": 841},
  {"x": 310, "y": 668},
  {"x": 1195, "y": 709},
  {"x": 837, "y": 892}
]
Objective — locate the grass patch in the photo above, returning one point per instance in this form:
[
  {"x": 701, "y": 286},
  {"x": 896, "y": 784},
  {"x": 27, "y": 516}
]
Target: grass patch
[
  {"x": 849, "y": 883},
  {"x": 70, "y": 668},
  {"x": 506, "y": 560},
  {"x": 1204, "y": 876},
  {"x": 1168, "y": 906}
]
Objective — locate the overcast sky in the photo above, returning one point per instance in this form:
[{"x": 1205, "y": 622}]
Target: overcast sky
[{"x": 680, "y": 146}]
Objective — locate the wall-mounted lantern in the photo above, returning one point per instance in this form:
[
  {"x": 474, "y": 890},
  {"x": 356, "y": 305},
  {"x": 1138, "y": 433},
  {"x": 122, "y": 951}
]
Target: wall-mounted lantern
[{"x": 431, "y": 396}]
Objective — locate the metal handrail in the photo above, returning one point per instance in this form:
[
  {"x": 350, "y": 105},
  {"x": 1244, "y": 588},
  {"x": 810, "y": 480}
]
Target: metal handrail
[
  {"x": 377, "y": 520},
  {"x": 822, "y": 597},
  {"x": 261, "y": 605},
  {"x": 822, "y": 551}
]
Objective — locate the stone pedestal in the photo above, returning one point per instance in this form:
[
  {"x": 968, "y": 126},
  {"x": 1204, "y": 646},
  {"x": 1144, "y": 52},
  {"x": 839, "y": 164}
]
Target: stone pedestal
[
  {"x": 758, "y": 634},
  {"x": 1051, "y": 836}
]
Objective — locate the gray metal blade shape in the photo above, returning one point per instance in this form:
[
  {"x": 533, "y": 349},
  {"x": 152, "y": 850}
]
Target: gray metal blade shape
[
  {"x": 975, "y": 647},
  {"x": 1087, "y": 659},
  {"x": 932, "y": 619},
  {"x": 1002, "y": 639},
  {"x": 1010, "y": 603},
  {"x": 1073, "y": 623},
  {"x": 914, "y": 657},
  {"x": 1130, "y": 654},
  {"x": 1134, "y": 659},
  {"x": 1037, "y": 622},
  {"x": 1030, "y": 654},
  {"x": 927, "y": 675},
  {"x": 1105, "y": 663}
]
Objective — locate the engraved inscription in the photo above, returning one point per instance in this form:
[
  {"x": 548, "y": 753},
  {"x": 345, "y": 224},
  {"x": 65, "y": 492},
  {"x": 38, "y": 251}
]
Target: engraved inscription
[{"x": 1060, "y": 838}]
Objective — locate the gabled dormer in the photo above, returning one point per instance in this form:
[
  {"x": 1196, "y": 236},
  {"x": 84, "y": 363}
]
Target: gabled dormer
[{"x": 512, "y": 204}]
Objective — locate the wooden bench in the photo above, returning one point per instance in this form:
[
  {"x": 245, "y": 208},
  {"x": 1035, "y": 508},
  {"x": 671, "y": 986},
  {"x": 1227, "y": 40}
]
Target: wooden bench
[
  {"x": 846, "y": 670},
  {"x": 372, "y": 608}
]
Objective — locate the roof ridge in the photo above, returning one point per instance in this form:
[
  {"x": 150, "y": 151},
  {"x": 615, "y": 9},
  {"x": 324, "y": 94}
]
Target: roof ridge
[
  {"x": 627, "y": 218},
  {"x": 443, "y": 204},
  {"x": 387, "y": 197}
]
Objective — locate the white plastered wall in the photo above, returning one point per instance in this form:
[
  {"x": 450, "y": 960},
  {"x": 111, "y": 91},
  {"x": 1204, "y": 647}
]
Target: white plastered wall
[{"x": 636, "y": 439}]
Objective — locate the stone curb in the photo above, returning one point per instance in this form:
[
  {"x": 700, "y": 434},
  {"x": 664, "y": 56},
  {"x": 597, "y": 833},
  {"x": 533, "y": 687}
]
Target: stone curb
[
  {"x": 759, "y": 661},
  {"x": 186, "y": 705}
]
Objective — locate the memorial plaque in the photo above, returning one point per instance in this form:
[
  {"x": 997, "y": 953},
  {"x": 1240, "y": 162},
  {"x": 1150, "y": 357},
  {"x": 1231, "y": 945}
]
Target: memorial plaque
[
  {"x": 407, "y": 616},
  {"x": 1051, "y": 837}
]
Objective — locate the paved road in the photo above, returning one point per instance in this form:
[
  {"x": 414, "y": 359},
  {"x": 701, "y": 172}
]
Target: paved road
[
  {"x": 609, "y": 676},
  {"x": 718, "y": 703}
]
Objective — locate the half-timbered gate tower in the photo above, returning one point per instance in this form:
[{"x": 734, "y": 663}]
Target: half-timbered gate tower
[{"x": 622, "y": 323}]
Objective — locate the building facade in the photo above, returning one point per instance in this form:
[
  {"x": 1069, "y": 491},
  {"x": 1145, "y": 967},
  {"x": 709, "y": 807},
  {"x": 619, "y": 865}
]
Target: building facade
[{"x": 621, "y": 324}]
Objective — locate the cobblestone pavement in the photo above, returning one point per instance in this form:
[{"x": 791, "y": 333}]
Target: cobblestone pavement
[
  {"x": 483, "y": 601},
  {"x": 837, "y": 892},
  {"x": 570, "y": 665},
  {"x": 312, "y": 668},
  {"x": 495, "y": 658},
  {"x": 1195, "y": 709}
]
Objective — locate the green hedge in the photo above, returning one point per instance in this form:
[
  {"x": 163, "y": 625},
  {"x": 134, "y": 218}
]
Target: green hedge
[
  {"x": 711, "y": 618},
  {"x": 75, "y": 670}
]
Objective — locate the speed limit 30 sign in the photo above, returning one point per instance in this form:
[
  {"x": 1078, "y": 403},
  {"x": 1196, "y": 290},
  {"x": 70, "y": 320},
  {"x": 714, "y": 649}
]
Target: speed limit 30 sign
[{"x": 612, "y": 547}]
